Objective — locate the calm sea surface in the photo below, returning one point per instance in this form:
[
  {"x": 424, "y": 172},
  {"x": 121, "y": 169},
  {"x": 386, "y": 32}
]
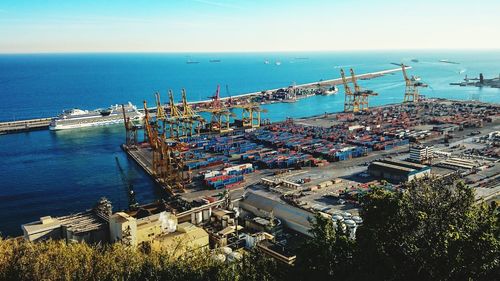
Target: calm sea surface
[{"x": 56, "y": 173}]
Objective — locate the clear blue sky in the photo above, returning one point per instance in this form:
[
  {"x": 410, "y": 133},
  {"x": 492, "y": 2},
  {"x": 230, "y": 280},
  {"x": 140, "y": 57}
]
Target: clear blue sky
[{"x": 254, "y": 25}]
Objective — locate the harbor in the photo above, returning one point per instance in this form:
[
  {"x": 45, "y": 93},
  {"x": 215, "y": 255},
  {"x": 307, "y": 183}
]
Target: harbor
[
  {"x": 234, "y": 101},
  {"x": 328, "y": 153},
  {"x": 261, "y": 186},
  {"x": 249, "y": 140}
]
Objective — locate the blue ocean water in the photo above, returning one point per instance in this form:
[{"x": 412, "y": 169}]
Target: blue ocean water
[{"x": 55, "y": 173}]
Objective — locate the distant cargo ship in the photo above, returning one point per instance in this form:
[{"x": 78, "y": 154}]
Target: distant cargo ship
[
  {"x": 192, "y": 62},
  {"x": 78, "y": 118},
  {"x": 448, "y": 61}
]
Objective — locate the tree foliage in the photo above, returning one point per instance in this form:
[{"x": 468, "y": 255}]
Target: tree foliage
[
  {"x": 433, "y": 230},
  {"x": 328, "y": 255},
  {"x": 56, "y": 260}
]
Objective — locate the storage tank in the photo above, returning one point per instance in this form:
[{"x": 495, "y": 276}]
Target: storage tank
[
  {"x": 346, "y": 215},
  {"x": 357, "y": 219},
  {"x": 337, "y": 217},
  {"x": 350, "y": 223}
]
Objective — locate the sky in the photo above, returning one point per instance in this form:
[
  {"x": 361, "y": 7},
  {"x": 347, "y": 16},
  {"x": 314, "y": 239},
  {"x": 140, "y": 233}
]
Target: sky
[{"x": 245, "y": 26}]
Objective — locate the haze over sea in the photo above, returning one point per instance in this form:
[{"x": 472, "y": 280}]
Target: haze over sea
[{"x": 57, "y": 173}]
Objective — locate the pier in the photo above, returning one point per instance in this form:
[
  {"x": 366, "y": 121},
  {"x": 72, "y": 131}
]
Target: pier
[
  {"x": 24, "y": 125},
  {"x": 43, "y": 123}
]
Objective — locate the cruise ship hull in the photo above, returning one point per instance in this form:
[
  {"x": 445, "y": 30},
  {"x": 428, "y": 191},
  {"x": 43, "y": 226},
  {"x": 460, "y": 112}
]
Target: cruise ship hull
[{"x": 58, "y": 127}]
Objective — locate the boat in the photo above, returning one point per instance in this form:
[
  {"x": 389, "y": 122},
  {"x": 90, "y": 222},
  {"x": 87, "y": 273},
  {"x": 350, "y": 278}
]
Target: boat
[
  {"x": 78, "y": 118},
  {"x": 330, "y": 91},
  {"x": 266, "y": 62},
  {"x": 415, "y": 60},
  {"x": 214, "y": 61},
  {"x": 278, "y": 63},
  {"x": 448, "y": 61},
  {"x": 192, "y": 62}
]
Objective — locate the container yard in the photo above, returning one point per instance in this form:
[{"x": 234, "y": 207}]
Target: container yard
[{"x": 328, "y": 148}]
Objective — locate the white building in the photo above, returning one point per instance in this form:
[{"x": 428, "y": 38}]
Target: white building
[{"x": 421, "y": 153}]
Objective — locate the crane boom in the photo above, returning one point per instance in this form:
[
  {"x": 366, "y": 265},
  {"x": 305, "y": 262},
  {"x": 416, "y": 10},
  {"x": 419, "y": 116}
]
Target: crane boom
[
  {"x": 147, "y": 125},
  {"x": 354, "y": 81},
  {"x": 407, "y": 80},
  {"x": 160, "y": 112},
  {"x": 187, "y": 111},
  {"x": 174, "y": 111},
  {"x": 344, "y": 81}
]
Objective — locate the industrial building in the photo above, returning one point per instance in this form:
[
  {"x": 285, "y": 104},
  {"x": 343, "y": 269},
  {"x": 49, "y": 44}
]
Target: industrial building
[
  {"x": 292, "y": 217},
  {"x": 161, "y": 231},
  {"x": 397, "y": 171},
  {"x": 186, "y": 237},
  {"x": 445, "y": 128},
  {"x": 89, "y": 226},
  {"x": 421, "y": 153},
  {"x": 458, "y": 164}
]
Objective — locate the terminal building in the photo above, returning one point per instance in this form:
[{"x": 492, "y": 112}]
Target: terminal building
[
  {"x": 421, "y": 153},
  {"x": 397, "y": 171}
]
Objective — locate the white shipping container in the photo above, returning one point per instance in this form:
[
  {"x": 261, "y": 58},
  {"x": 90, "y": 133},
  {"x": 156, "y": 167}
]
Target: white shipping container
[
  {"x": 212, "y": 174},
  {"x": 238, "y": 167}
]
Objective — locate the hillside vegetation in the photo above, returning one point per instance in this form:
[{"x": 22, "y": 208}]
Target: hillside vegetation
[{"x": 433, "y": 230}]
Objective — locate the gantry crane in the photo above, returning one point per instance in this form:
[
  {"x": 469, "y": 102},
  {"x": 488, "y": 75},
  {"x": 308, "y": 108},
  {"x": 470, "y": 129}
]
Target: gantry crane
[
  {"x": 149, "y": 134},
  {"x": 168, "y": 165},
  {"x": 193, "y": 121},
  {"x": 350, "y": 102},
  {"x": 250, "y": 114},
  {"x": 412, "y": 85},
  {"x": 174, "y": 120},
  {"x": 363, "y": 94},
  {"x": 220, "y": 114},
  {"x": 358, "y": 100},
  {"x": 161, "y": 117}
]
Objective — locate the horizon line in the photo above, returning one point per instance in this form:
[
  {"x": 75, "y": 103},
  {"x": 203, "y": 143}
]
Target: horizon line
[{"x": 243, "y": 51}]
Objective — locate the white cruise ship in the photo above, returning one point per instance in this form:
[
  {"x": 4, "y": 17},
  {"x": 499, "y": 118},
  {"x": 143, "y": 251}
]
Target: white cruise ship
[{"x": 77, "y": 118}]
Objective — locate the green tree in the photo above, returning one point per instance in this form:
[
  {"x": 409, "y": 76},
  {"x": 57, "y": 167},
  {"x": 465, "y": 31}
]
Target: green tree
[
  {"x": 432, "y": 230},
  {"x": 327, "y": 255},
  {"x": 255, "y": 266}
]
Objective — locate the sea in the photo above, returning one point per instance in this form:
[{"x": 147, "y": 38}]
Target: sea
[{"x": 57, "y": 173}]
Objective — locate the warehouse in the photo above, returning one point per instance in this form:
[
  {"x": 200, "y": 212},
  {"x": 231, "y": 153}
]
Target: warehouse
[
  {"x": 397, "y": 171},
  {"x": 292, "y": 217}
]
